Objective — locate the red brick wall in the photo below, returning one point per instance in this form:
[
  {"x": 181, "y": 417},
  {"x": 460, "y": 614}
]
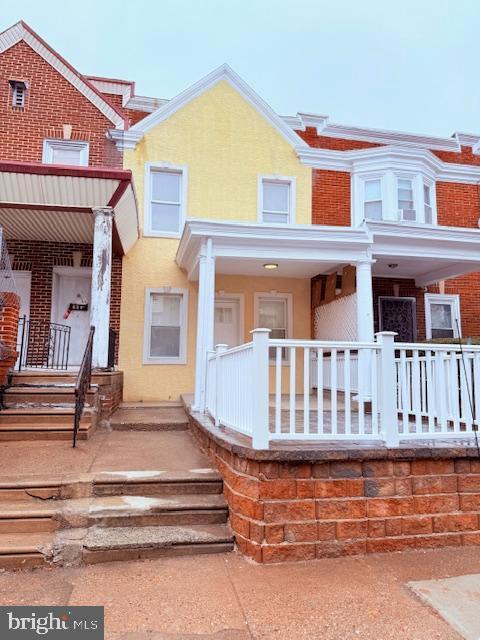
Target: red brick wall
[
  {"x": 338, "y": 144},
  {"x": 331, "y": 197},
  {"x": 282, "y": 511},
  {"x": 51, "y": 101},
  {"x": 42, "y": 257},
  {"x": 9, "y": 308}
]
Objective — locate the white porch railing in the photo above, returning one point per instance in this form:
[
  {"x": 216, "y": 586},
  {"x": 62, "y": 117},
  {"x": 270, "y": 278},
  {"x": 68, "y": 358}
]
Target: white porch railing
[{"x": 364, "y": 391}]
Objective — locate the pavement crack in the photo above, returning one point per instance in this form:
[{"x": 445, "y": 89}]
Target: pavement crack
[{"x": 238, "y": 599}]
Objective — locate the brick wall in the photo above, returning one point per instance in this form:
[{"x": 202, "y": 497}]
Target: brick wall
[
  {"x": 51, "y": 101},
  {"x": 284, "y": 511},
  {"x": 41, "y": 257},
  {"x": 330, "y": 197}
]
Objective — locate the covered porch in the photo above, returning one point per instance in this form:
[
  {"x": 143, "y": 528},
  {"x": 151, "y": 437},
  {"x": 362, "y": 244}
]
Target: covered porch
[
  {"x": 346, "y": 380},
  {"x": 66, "y": 230}
]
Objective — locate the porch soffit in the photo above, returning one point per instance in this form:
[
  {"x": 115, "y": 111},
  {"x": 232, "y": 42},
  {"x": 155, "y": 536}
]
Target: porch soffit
[
  {"x": 299, "y": 250},
  {"x": 54, "y": 203}
]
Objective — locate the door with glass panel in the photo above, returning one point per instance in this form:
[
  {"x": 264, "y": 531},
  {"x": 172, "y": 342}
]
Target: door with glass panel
[
  {"x": 273, "y": 314},
  {"x": 227, "y": 322}
]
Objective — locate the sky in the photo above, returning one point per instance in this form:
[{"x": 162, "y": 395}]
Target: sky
[{"x": 408, "y": 65}]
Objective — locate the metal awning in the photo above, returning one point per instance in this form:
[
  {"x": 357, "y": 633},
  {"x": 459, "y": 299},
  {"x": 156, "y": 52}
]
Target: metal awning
[{"x": 54, "y": 203}]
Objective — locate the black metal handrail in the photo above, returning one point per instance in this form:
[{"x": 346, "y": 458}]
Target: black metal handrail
[
  {"x": 82, "y": 386},
  {"x": 42, "y": 344},
  {"x": 112, "y": 345}
]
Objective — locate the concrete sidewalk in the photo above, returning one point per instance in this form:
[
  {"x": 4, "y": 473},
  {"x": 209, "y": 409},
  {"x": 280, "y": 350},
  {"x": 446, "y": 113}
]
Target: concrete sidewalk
[{"x": 228, "y": 598}]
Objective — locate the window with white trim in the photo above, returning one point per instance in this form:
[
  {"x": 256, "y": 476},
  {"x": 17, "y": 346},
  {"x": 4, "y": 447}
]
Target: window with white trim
[
  {"x": 274, "y": 311},
  {"x": 406, "y": 209},
  {"x": 165, "y": 335},
  {"x": 442, "y": 316},
  {"x": 427, "y": 203},
  {"x": 66, "y": 152},
  {"x": 276, "y": 200},
  {"x": 373, "y": 199},
  {"x": 165, "y": 191}
]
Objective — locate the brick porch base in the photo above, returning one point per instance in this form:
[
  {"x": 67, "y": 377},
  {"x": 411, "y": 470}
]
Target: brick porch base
[{"x": 290, "y": 504}]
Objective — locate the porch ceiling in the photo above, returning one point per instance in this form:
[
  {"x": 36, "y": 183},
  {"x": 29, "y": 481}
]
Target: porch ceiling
[
  {"x": 425, "y": 253},
  {"x": 54, "y": 203},
  {"x": 301, "y": 251}
]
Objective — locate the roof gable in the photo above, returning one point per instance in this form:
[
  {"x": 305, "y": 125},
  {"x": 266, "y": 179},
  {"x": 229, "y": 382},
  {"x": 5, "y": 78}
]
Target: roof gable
[
  {"x": 224, "y": 72},
  {"x": 22, "y": 32}
]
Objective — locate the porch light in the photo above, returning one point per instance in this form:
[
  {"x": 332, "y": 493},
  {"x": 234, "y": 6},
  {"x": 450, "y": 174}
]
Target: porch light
[{"x": 270, "y": 265}]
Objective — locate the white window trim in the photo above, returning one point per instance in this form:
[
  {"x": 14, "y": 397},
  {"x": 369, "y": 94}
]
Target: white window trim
[
  {"x": 389, "y": 186},
  {"x": 256, "y": 309},
  {"x": 182, "y": 358},
  {"x": 439, "y": 298},
  {"x": 49, "y": 144},
  {"x": 292, "y": 181},
  {"x": 150, "y": 167}
]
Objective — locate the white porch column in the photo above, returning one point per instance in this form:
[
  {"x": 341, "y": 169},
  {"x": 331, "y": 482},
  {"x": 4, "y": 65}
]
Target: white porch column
[
  {"x": 364, "y": 301},
  {"x": 364, "y": 326},
  {"x": 205, "y": 320},
  {"x": 101, "y": 283}
]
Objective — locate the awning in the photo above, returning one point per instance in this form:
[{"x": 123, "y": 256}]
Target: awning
[{"x": 54, "y": 203}]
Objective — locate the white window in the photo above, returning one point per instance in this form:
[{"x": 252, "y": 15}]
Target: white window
[
  {"x": 373, "y": 199},
  {"x": 405, "y": 199},
  {"x": 274, "y": 311},
  {"x": 19, "y": 90},
  {"x": 165, "y": 200},
  {"x": 165, "y": 334},
  {"x": 66, "y": 152},
  {"x": 276, "y": 200},
  {"x": 442, "y": 316},
  {"x": 427, "y": 201}
]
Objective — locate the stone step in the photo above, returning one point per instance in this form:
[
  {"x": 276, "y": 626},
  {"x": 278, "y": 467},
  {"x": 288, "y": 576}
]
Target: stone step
[
  {"x": 29, "y": 489},
  {"x": 40, "y": 396},
  {"x": 43, "y": 377},
  {"x": 157, "y": 483},
  {"x": 48, "y": 416},
  {"x": 149, "y": 418},
  {"x": 140, "y": 511},
  {"x": 132, "y": 543},
  {"x": 25, "y": 550}
]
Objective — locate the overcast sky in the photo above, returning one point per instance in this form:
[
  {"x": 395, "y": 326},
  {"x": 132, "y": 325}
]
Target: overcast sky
[{"x": 411, "y": 65}]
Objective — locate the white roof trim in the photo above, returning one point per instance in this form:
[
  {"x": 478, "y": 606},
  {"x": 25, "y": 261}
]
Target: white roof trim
[
  {"x": 378, "y": 157},
  {"x": 144, "y": 103},
  {"x": 18, "y": 32},
  {"x": 382, "y": 136},
  {"x": 224, "y": 72}
]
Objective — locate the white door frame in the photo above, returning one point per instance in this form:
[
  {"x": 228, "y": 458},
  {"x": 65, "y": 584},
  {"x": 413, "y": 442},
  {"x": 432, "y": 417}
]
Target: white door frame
[
  {"x": 24, "y": 274},
  {"x": 223, "y": 296},
  {"x": 64, "y": 271}
]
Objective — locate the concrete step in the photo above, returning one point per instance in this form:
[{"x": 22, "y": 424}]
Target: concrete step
[
  {"x": 140, "y": 511},
  {"x": 48, "y": 416},
  {"x": 39, "y": 396},
  {"x": 157, "y": 483},
  {"x": 43, "y": 377},
  {"x": 24, "y": 550},
  {"x": 159, "y": 417},
  {"x": 28, "y": 516},
  {"x": 132, "y": 543},
  {"x": 29, "y": 489}
]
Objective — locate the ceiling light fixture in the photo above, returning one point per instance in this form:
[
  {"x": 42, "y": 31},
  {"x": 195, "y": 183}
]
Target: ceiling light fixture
[{"x": 270, "y": 265}]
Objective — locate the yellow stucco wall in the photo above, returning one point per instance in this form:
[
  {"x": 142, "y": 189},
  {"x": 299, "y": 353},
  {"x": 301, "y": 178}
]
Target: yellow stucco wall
[{"x": 226, "y": 145}]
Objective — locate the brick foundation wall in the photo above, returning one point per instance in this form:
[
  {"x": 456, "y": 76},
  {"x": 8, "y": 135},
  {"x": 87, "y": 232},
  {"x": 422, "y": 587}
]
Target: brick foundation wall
[
  {"x": 110, "y": 392},
  {"x": 41, "y": 257},
  {"x": 51, "y": 102},
  {"x": 9, "y": 308},
  {"x": 283, "y": 511}
]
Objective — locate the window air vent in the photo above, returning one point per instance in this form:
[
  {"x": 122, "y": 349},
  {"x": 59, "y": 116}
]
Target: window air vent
[{"x": 19, "y": 89}]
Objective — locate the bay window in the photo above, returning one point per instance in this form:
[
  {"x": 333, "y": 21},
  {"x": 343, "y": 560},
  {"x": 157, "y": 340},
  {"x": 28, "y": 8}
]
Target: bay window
[
  {"x": 406, "y": 208},
  {"x": 373, "y": 200}
]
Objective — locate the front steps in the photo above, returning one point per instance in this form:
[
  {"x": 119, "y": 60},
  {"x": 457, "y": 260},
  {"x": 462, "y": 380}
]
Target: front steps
[
  {"x": 112, "y": 516},
  {"x": 40, "y": 405},
  {"x": 160, "y": 416}
]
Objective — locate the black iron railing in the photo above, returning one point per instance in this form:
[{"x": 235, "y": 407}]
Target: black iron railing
[
  {"x": 42, "y": 344},
  {"x": 82, "y": 386},
  {"x": 112, "y": 345}
]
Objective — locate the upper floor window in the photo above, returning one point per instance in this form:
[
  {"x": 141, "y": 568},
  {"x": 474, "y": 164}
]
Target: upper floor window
[
  {"x": 373, "y": 200},
  {"x": 406, "y": 210},
  {"x": 391, "y": 196},
  {"x": 165, "y": 200},
  {"x": 19, "y": 90},
  {"x": 67, "y": 152},
  {"x": 276, "y": 200}
]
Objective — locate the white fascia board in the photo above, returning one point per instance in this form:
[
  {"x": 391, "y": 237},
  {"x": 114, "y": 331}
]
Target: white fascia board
[
  {"x": 224, "y": 72},
  {"x": 452, "y": 270},
  {"x": 145, "y": 103},
  {"x": 127, "y": 139},
  {"x": 18, "y": 32}
]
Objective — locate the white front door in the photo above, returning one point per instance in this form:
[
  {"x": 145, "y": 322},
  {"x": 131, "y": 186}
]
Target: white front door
[
  {"x": 73, "y": 286},
  {"x": 227, "y": 322},
  {"x": 23, "y": 284}
]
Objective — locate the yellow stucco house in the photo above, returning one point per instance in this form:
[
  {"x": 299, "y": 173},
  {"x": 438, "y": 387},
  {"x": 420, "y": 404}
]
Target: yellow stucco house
[{"x": 214, "y": 154}]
